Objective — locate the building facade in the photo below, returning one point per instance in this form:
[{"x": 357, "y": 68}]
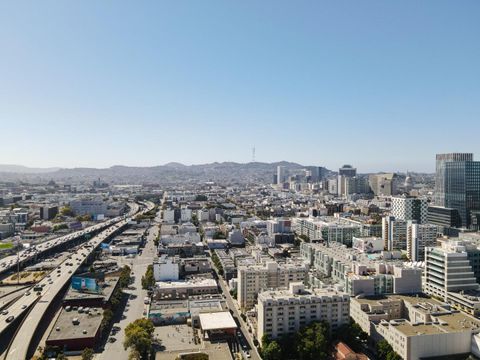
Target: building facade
[
  {"x": 457, "y": 184},
  {"x": 283, "y": 312},
  {"x": 255, "y": 278},
  {"x": 410, "y": 208}
]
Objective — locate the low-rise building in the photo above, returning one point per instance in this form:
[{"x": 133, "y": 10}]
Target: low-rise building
[
  {"x": 329, "y": 229},
  {"x": 360, "y": 273},
  {"x": 75, "y": 330},
  {"x": 183, "y": 289},
  {"x": 417, "y": 327}
]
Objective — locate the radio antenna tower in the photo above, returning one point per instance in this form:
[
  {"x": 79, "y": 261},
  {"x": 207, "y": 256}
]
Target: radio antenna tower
[{"x": 253, "y": 153}]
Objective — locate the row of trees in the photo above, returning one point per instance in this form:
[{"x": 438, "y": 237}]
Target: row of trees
[
  {"x": 148, "y": 280},
  {"x": 217, "y": 263},
  {"x": 315, "y": 341},
  {"x": 311, "y": 343},
  {"x": 385, "y": 351},
  {"x": 116, "y": 299},
  {"x": 49, "y": 351}
]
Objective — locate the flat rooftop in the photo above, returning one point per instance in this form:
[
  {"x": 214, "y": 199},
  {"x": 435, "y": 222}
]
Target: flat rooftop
[
  {"x": 217, "y": 321},
  {"x": 444, "y": 319},
  {"x": 186, "y": 284},
  {"x": 87, "y": 326},
  {"x": 107, "y": 288}
]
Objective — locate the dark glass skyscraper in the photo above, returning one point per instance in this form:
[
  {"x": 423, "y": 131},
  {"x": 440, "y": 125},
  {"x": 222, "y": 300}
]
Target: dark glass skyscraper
[{"x": 457, "y": 184}]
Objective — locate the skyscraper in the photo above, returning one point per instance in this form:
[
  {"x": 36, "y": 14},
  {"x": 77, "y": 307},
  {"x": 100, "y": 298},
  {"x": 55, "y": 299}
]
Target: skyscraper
[
  {"x": 281, "y": 175},
  {"x": 347, "y": 170},
  {"x": 457, "y": 184}
]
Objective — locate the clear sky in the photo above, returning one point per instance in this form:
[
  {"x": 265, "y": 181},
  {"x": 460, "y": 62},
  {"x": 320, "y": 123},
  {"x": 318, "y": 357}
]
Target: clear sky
[{"x": 381, "y": 85}]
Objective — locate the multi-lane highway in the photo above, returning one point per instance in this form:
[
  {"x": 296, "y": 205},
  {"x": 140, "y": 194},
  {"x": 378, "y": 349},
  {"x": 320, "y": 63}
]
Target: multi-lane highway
[
  {"x": 10, "y": 262},
  {"x": 38, "y": 301}
]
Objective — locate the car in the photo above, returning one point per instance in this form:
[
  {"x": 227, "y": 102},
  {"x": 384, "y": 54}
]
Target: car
[
  {"x": 27, "y": 293},
  {"x": 4, "y": 312},
  {"x": 111, "y": 339},
  {"x": 247, "y": 354},
  {"x": 10, "y": 319},
  {"x": 24, "y": 306}
]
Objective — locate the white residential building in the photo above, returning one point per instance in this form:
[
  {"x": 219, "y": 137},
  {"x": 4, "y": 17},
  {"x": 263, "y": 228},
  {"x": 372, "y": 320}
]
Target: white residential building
[
  {"x": 282, "y": 312},
  {"x": 394, "y": 233},
  {"x": 333, "y": 230},
  {"x": 255, "y": 278},
  {"x": 186, "y": 215},
  {"x": 360, "y": 273},
  {"x": 166, "y": 269},
  {"x": 417, "y": 327},
  {"x": 169, "y": 216},
  {"x": 419, "y": 236},
  {"x": 451, "y": 273}
]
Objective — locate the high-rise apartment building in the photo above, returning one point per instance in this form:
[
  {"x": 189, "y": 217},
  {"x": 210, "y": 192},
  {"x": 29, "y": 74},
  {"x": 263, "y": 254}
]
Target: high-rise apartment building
[
  {"x": 255, "y": 278},
  {"x": 457, "y": 184},
  {"x": 419, "y": 236},
  {"x": 282, "y": 312},
  {"x": 410, "y": 208},
  {"x": 394, "y": 233}
]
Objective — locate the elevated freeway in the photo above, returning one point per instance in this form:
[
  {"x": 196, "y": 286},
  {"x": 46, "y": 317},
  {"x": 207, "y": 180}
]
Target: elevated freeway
[
  {"x": 30, "y": 255},
  {"x": 37, "y": 303}
]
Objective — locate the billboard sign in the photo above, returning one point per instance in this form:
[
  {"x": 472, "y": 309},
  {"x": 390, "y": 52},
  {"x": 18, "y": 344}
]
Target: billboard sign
[{"x": 85, "y": 284}]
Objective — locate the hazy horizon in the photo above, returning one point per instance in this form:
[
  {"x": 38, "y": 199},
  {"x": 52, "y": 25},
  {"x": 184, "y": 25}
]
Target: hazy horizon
[{"x": 200, "y": 164}]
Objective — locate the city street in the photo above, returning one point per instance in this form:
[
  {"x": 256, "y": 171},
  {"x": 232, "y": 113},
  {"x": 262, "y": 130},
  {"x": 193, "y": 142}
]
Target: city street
[
  {"x": 232, "y": 305},
  {"x": 135, "y": 306}
]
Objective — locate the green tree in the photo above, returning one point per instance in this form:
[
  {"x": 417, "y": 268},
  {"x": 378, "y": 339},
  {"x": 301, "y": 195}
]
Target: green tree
[
  {"x": 139, "y": 338},
  {"x": 107, "y": 318},
  {"x": 393, "y": 356},
  {"x": 272, "y": 351},
  {"x": 66, "y": 211},
  {"x": 312, "y": 341},
  {"x": 87, "y": 354},
  {"x": 352, "y": 334},
  {"x": 148, "y": 280},
  {"x": 124, "y": 279},
  {"x": 217, "y": 263},
  {"x": 383, "y": 349}
]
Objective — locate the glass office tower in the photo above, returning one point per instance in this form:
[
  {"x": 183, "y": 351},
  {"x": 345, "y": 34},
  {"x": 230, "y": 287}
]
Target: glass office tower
[{"x": 457, "y": 184}]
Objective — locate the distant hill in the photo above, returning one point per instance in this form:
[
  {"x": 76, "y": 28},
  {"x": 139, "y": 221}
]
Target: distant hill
[{"x": 171, "y": 173}]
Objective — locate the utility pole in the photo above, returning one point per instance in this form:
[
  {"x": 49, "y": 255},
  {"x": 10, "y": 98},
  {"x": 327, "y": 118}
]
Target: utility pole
[{"x": 18, "y": 267}]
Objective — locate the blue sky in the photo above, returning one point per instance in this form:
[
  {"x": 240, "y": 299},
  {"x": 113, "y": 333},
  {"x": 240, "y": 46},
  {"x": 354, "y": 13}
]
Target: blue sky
[{"x": 383, "y": 85}]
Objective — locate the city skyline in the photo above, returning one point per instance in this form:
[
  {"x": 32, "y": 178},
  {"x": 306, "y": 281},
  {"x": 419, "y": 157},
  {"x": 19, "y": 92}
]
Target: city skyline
[
  {"x": 377, "y": 85},
  {"x": 20, "y": 168}
]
